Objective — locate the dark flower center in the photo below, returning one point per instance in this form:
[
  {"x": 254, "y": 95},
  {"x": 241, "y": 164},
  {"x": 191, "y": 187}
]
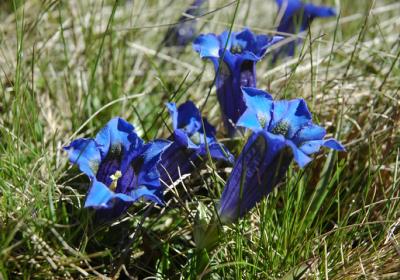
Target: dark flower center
[
  {"x": 137, "y": 164},
  {"x": 236, "y": 49},
  {"x": 116, "y": 179},
  {"x": 108, "y": 167},
  {"x": 247, "y": 75},
  {"x": 281, "y": 128},
  {"x": 128, "y": 181},
  {"x": 196, "y": 138}
]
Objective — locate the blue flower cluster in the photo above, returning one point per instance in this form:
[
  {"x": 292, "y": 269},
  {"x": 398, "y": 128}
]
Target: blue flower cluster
[
  {"x": 234, "y": 56},
  {"x": 122, "y": 168},
  {"x": 283, "y": 130},
  {"x": 193, "y": 138},
  {"x": 296, "y": 16}
]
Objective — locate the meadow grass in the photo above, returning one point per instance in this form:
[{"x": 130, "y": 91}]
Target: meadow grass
[{"x": 67, "y": 67}]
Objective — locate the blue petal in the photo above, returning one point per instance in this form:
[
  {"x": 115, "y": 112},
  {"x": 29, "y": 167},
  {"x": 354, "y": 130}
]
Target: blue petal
[
  {"x": 184, "y": 140},
  {"x": 257, "y": 100},
  {"x": 207, "y": 45},
  {"x": 256, "y": 45},
  {"x": 253, "y": 46},
  {"x": 246, "y": 39},
  {"x": 255, "y": 173},
  {"x": 334, "y": 144},
  {"x": 225, "y": 39},
  {"x": 85, "y": 154},
  {"x": 301, "y": 117},
  {"x": 274, "y": 40},
  {"x": 114, "y": 136},
  {"x": 153, "y": 151},
  {"x": 299, "y": 156},
  {"x": 186, "y": 117},
  {"x": 258, "y": 110},
  {"x": 264, "y": 42},
  {"x": 181, "y": 138},
  {"x": 217, "y": 152},
  {"x": 148, "y": 174},
  {"x": 100, "y": 196},
  {"x": 314, "y": 11},
  {"x": 275, "y": 143},
  {"x": 176, "y": 161},
  {"x": 232, "y": 61},
  {"x": 173, "y": 111},
  {"x": 302, "y": 109},
  {"x": 189, "y": 118},
  {"x": 229, "y": 97},
  {"x": 309, "y": 132},
  {"x": 311, "y": 147},
  {"x": 153, "y": 195},
  {"x": 247, "y": 56},
  {"x": 294, "y": 11},
  {"x": 290, "y": 6},
  {"x": 135, "y": 150},
  {"x": 280, "y": 110},
  {"x": 128, "y": 181},
  {"x": 250, "y": 120},
  {"x": 294, "y": 112}
]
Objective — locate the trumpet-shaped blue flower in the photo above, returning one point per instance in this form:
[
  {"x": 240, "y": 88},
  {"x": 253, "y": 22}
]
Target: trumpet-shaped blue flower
[
  {"x": 296, "y": 16},
  {"x": 283, "y": 130},
  {"x": 184, "y": 31},
  {"x": 234, "y": 57},
  {"x": 120, "y": 166},
  {"x": 191, "y": 143}
]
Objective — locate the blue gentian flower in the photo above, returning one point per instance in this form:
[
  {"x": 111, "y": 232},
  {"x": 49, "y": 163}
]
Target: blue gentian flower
[
  {"x": 282, "y": 130},
  {"x": 238, "y": 55},
  {"x": 184, "y": 31},
  {"x": 120, "y": 166},
  {"x": 191, "y": 143},
  {"x": 296, "y": 17}
]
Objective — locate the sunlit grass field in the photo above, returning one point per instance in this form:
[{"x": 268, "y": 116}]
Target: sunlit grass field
[{"x": 67, "y": 67}]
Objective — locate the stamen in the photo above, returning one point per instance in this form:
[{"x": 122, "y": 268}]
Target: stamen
[
  {"x": 281, "y": 128},
  {"x": 114, "y": 178}
]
